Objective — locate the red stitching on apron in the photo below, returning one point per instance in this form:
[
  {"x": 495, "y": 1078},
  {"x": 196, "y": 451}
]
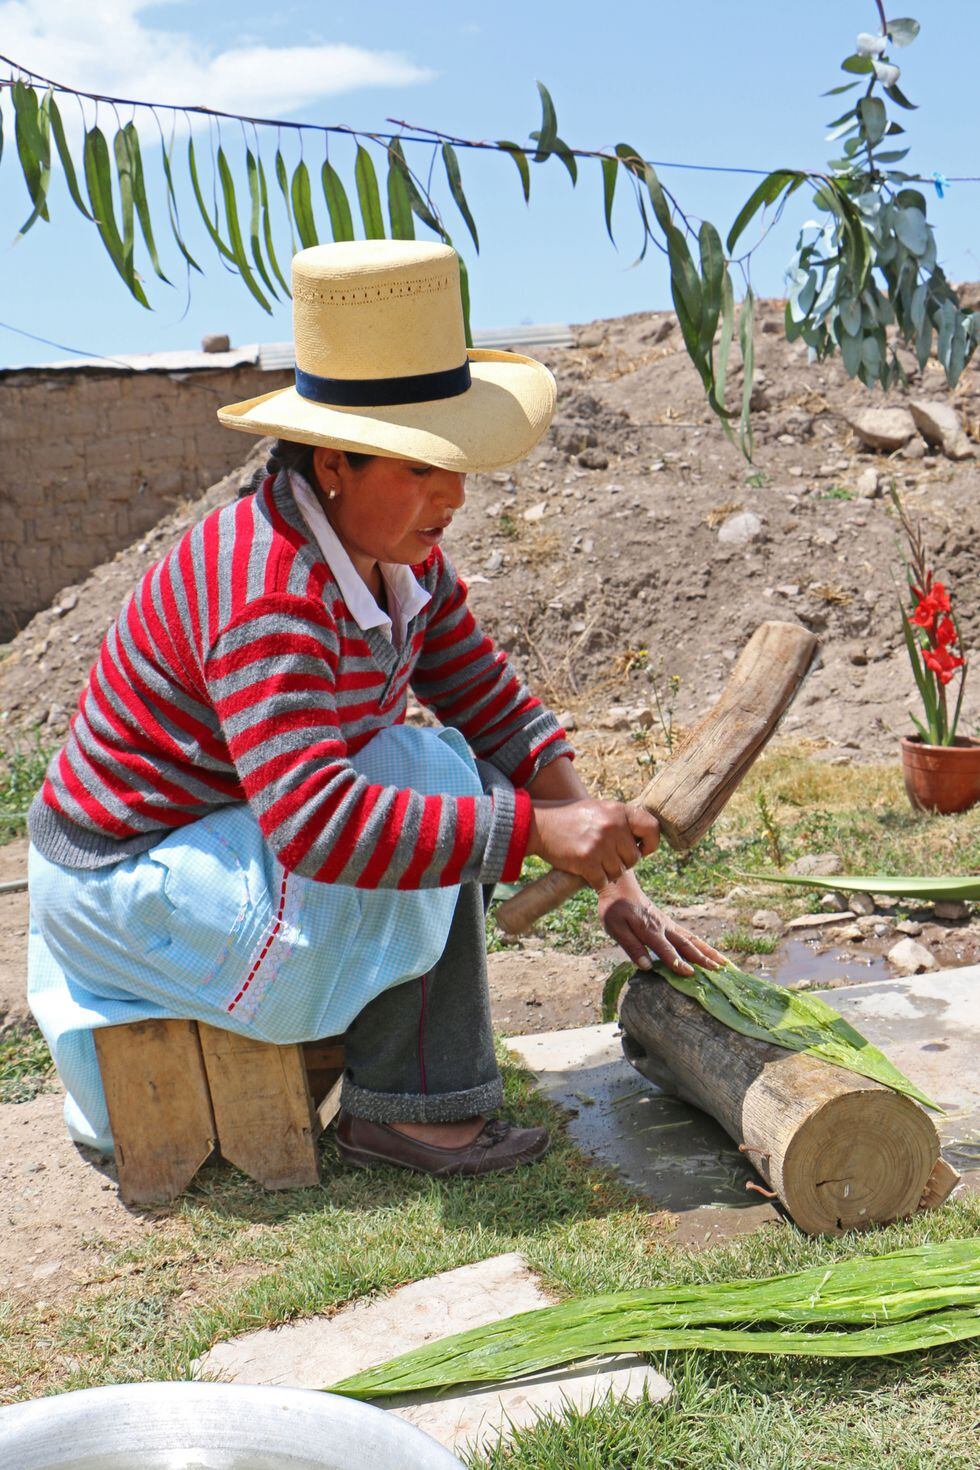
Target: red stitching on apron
[{"x": 267, "y": 946}]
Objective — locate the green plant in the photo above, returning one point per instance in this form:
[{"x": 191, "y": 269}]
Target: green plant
[
  {"x": 507, "y": 526},
  {"x": 836, "y": 492},
  {"x": 21, "y": 776},
  {"x": 926, "y": 890},
  {"x": 26, "y": 1068},
  {"x": 757, "y": 481},
  {"x": 932, "y": 637},
  {"x": 665, "y": 691},
  {"x": 770, "y": 827},
  {"x": 901, "y": 1301},
  {"x": 748, "y": 941}
]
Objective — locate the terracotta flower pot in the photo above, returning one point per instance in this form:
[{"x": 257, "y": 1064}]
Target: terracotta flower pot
[{"x": 942, "y": 778}]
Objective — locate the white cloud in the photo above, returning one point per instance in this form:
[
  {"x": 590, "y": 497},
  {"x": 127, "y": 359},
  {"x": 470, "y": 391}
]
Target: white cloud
[{"x": 106, "y": 46}]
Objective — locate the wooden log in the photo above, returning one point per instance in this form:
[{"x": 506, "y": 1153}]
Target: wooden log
[
  {"x": 159, "y": 1106},
  {"x": 840, "y": 1151},
  {"x": 690, "y": 789}
]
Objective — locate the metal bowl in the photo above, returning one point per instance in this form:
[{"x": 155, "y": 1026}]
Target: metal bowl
[{"x": 210, "y": 1426}]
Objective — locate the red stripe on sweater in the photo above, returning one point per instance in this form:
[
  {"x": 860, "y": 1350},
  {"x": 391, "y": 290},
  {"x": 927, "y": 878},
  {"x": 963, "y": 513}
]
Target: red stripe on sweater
[
  {"x": 425, "y": 843},
  {"x": 211, "y": 535},
  {"x": 463, "y": 844},
  {"x": 361, "y": 808},
  {"x": 89, "y": 804},
  {"x": 519, "y": 838},
  {"x": 389, "y": 838}
]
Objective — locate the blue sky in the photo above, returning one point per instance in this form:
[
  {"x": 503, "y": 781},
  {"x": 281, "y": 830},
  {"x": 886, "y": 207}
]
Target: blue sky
[{"x": 721, "y": 82}]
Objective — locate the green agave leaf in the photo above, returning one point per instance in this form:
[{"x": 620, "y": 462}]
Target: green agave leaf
[
  {"x": 791, "y": 1019},
  {"x": 610, "y": 173},
  {"x": 132, "y": 142},
  {"x": 234, "y": 230},
  {"x": 338, "y": 205},
  {"x": 302, "y": 203},
  {"x": 400, "y": 214},
  {"x": 456, "y": 189},
  {"x": 866, "y": 1306},
  {"x": 520, "y": 158},
  {"x": 255, "y": 220},
  {"x": 32, "y": 136},
  {"x": 98, "y": 183},
  {"x": 368, "y": 196},
  {"x": 209, "y": 224},
  {"x": 64, "y": 154},
  {"x": 925, "y": 889},
  {"x": 548, "y": 132}
]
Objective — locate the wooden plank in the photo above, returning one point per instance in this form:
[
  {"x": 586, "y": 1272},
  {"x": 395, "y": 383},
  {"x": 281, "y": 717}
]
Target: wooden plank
[
  {"x": 262, "y": 1108},
  {"x": 159, "y": 1106},
  {"x": 330, "y": 1106}
]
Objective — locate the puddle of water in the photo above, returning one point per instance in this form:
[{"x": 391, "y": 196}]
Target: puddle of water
[{"x": 795, "y": 959}]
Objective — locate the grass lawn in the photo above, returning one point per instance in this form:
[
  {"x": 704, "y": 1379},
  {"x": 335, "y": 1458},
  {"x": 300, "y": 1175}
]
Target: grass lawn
[{"x": 230, "y": 1257}]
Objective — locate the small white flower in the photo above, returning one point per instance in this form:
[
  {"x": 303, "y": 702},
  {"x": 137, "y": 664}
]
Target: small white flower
[
  {"x": 869, "y": 45},
  {"x": 886, "y": 73}
]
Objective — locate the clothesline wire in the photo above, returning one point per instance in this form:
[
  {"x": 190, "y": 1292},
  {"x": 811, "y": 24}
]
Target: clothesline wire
[{"x": 418, "y": 135}]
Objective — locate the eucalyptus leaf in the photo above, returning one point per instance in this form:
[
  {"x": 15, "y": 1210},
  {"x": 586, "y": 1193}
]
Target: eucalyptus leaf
[
  {"x": 211, "y": 225},
  {"x": 912, "y": 229},
  {"x": 456, "y": 189},
  {"x": 520, "y": 158},
  {"x": 400, "y": 216},
  {"x": 255, "y": 219},
  {"x": 898, "y": 97},
  {"x": 903, "y": 32},
  {"x": 850, "y": 315},
  {"x": 367, "y": 194},
  {"x": 131, "y": 137},
  {"x": 610, "y": 173},
  {"x": 338, "y": 205},
  {"x": 874, "y": 119},
  {"x": 234, "y": 230},
  {"x": 98, "y": 184},
  {"x": 32, "y": 137},
  {"x": 64, "y": 154},
  {"x": 270, "y": 248},
  {"x": 301, "y": 199},
  {"x": 548, "y": 132},
  {"x": 859, "y": 65}
]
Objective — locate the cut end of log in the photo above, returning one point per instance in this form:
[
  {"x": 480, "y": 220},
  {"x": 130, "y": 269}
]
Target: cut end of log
[{"x": 862, "y": 1158}]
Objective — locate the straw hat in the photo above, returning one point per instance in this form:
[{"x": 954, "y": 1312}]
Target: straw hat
[{"x": 382, "y": 365}]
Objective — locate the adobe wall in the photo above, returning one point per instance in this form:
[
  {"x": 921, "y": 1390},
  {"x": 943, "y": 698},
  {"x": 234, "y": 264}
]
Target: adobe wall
[{"x": 91, "y": 459}]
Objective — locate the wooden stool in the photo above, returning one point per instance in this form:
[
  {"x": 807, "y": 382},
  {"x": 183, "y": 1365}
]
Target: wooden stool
[{"x": 179, "y": 1090}]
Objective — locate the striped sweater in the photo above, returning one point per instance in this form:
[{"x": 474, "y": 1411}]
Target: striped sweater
[{"x": 235, "y": 672}]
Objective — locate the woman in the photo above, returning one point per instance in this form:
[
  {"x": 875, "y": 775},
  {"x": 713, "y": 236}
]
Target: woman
[{"x": 240, "y": 828}]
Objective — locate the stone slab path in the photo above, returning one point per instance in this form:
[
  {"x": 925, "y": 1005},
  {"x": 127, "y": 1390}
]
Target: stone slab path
[{"x": 318, "y": 1351}]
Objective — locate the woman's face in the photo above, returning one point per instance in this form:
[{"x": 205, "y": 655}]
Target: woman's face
[{"x": 393, "y": 510}]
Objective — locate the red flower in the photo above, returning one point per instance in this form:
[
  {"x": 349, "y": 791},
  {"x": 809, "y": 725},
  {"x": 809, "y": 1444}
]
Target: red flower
[
  {"x": 931, "y": 604},
  {"x": 942, "y": 663},
  {"x": 939, "y": 597},
  {"x": 922, "y": 617},
  {"x": 945, "y": 634}
]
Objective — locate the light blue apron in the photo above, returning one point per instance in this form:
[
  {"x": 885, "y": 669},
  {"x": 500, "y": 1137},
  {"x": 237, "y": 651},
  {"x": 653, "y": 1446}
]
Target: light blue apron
[{"x": 208, "y": 925}]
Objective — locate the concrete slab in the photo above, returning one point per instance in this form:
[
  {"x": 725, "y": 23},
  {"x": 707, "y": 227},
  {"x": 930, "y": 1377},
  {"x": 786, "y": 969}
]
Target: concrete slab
[
  {"x": 674, "y": 1155},
  {"x": 318, "y": 1351},
  {"x": 929, "y": 1025}
]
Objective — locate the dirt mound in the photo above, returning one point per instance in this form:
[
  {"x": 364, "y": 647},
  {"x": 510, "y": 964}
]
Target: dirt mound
[{"x": 635, "y": 547}]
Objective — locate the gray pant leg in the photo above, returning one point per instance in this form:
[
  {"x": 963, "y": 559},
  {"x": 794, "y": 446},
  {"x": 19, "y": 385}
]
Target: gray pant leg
[{"x": 422, "y": 1052}]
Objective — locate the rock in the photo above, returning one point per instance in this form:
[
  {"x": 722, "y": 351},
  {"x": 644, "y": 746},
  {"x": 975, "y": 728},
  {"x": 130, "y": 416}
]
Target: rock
[
  {"x": 914, "y": 449},
  {"x": 741, "y": 528},
  {"x": 56, "y": 715},
  {"x": 816, "y": 865},
  {"x": 833, "y": 903},
  {"x": 911, "y": 958},
  {"x": 594, "y": 459},
  {"x": 216, "y": 342},
  {"x": 660, "y": 332},
  {"x": 537, "y": 512},
  {"x": 591, "y": 337},
  {"x": 766, "y": 919},
  {"x": 65, "y": 604},
  {"x": 885, "y": 429},
  {"x": 788, "y": 589},
  {"x": 909, "y": 926},
  {"x": 818, "y": 921},
  {"x": 567, "y": 720},
  {"x": 939, "y": 423},
  {"x": 862, "y": 903},
  {"x": 786, "y": 439},
  {"x": 867, "y": 483},
  {"x": 951, "y": 908},
  {"x": 494, "y": 562},
  {"x": 573, "y": 438},
  {"x": 850, "y": 934}
]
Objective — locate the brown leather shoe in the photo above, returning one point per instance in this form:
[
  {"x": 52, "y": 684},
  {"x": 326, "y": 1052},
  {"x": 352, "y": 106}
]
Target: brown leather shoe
[{"x": 498, "y": 1146}]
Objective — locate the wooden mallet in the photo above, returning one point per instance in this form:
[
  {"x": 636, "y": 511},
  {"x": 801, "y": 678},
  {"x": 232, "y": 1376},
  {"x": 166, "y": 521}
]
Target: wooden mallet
[{"x": 689, "y": 791}]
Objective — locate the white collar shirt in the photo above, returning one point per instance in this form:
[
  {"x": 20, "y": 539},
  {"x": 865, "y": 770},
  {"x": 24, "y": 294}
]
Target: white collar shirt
[{"x": 404, "y": 594}]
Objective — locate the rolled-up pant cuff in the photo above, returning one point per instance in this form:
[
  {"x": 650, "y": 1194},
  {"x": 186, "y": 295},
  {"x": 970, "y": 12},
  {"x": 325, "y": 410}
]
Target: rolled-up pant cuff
[{"x": 411, "y": 1107}]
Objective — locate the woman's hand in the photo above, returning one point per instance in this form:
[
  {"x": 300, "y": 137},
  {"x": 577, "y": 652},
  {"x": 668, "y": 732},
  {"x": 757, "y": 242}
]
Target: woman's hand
[
  {"x": 640, "y": 928},
  {"x": 597, "y": 840}
]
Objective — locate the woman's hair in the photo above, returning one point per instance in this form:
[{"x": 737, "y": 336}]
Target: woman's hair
[{"x": 286, "y": 454}]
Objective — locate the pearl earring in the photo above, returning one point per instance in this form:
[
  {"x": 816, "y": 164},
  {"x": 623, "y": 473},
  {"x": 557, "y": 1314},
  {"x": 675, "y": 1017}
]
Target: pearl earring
[{"x": 331, "y": 494}]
